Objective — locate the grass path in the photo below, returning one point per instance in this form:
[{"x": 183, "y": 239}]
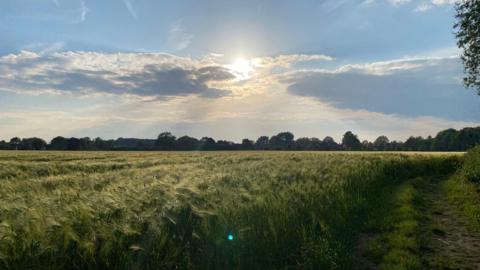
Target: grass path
[
  {"x": 447, "y": 241},
  {"x": 420, "y": 230}
]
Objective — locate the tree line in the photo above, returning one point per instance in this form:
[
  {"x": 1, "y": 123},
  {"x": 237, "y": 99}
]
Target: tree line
[{"x": 446, "y": 140}]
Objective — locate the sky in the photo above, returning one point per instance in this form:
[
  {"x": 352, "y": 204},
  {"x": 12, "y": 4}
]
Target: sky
[{"x": 231, "y": 69}]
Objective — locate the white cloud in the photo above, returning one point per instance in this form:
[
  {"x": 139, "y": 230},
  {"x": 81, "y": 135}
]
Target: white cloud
[
  {"x": 129, "y": 6},
  {"x": 288, "y": 59},
  {"x": 442, "y": 52},
  {"x": 444, "y": 2},
  {"x": 44, "y": 48},
  {"x": 144, "y": 75},
  {"x": 141, "y": 74},
  {"x": 422, "y": 8},
  {"x": 83, "y": 11},
  {"x": 72, "y": 12},
  {"x": 395, "y": 66},
  {"x": 178, "y": 39},
  {"x": 399, "y": 2},
  {"x": 368, "y": 2},
  {"x": 421, "y": 5}
]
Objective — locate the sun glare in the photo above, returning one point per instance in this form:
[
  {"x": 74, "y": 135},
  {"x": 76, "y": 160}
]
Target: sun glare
[{"x": 241, "y": 67}]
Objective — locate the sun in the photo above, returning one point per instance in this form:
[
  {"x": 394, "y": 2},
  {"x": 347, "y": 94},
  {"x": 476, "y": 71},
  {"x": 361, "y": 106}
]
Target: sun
[{"x": 241, "y": 67}]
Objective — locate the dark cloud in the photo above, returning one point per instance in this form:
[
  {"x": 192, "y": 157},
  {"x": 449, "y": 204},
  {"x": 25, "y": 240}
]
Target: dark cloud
[
  {"x": 410, "y": 88},
  {"x": 154, "y": 81},
  {"x": 60, "y": 72}
]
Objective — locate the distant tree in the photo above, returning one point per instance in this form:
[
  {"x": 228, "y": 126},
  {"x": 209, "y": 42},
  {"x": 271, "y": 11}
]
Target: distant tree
[
  {"x": 132, "y": 144},
  {"x": 15, "y": 143},
  {"x": 100, "y": 144},
  {"x": 381, "y": 143},
  {"x": 165, "y": 141},
  {"x": 58, "y": 143},
  {"x": 225, "y": 145},
  {"x": 39, "y": 144},
  {"x": 468, "y": 39},
  {"x": 329, "y": 144},
  {"x": 351, "y": 142},
  {"x": 33, "y": 144},
  {"x": 414, "y": 144},
  {"x": 4, "y": 145},
  {"x": 73, "y": 144},
  {"x": 468, "y": 138},
  {"x": 367, "y": 146},
  {"x": 447, "y": 140},
  {"x": 315, "y": 144},
  {"x": 262, "y": 143},
  {"x": 282, "y": 141},
  {"x": 303, "y": 143},
  {"x": 85, "y": 144},
  {"x": 427, "y": 144},
  {"x": 247, "y": 144},
  {"x": 187, "y": 143},
  {"x": 207, "y": 143},
  {"x": 395, "y": 146}
]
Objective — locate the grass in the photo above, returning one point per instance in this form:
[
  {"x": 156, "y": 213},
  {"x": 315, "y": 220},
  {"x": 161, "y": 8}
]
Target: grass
[
  {"x": 397, "y": 246},
  {"x": 463, "y": 189},
  {"x": 106, "y": 210},
  {"x": 465, "y": 195},
  {"x": 420, "y": 226}
]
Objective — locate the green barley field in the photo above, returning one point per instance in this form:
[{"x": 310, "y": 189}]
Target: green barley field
[{"x": 214, "y": 210}]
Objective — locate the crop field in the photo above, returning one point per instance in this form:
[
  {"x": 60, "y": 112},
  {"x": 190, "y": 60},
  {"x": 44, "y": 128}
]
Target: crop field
[{"x": 216, "y": 210}]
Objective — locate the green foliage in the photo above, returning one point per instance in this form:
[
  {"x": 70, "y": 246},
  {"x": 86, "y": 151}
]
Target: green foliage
[
  {"x": 105, "y": 210},
  {"x": 471, "y": 166},
  {"x": 468, "y": 36},
  {"x": 165, "y": 141},
  {"x": 463, "y": 188},
  {"x": 351, "y": 142},
  {"x": 465, "y": 195}
]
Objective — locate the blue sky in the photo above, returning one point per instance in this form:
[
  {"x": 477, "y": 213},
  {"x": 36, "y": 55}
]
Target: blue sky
[{"x": 230, "y": 69}]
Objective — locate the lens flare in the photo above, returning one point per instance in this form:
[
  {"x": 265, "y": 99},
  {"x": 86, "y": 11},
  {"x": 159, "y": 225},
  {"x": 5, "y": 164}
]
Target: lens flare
[{"x": 242, "y": 68}]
